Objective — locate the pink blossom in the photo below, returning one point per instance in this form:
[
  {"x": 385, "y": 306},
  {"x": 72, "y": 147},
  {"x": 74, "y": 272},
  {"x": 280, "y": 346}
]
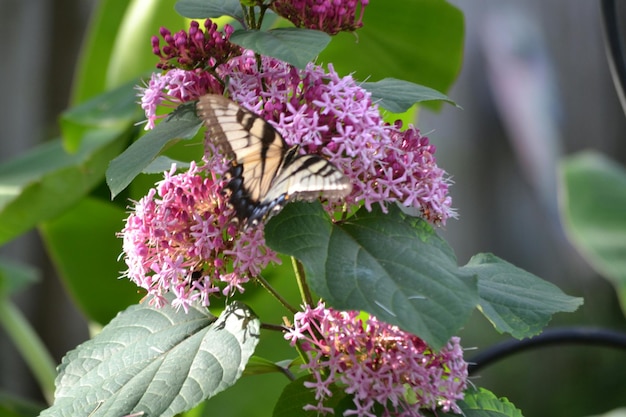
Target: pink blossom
[
  {"x": 377, "y": 364},
  {"x": 180, "y": 239},
  {"x": 330, "y": 16},
  {"x": 335, "y": 117},
  {"x": 195, "y": 48}
]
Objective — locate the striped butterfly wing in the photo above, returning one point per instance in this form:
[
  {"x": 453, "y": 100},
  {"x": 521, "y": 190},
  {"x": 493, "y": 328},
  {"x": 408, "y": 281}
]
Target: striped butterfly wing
[
  {"x": 265, "y": 175},
  {"x": 256, "y": 148}
]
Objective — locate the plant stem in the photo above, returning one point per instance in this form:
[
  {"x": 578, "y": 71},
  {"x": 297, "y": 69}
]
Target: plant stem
[
  {"x": 305, "y": 292},
  {"x": 30, "y": 346},
  {"x": 276, "y": 295}
]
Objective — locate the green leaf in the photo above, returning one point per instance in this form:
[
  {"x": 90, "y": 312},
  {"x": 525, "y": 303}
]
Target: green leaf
[
  {"x": 258, "y": 366},
  {"x": 593, "y": 210},
  {"x": 84, "y": 248},
  {"x": 398, "y": 96},
  {"x": 114, "y": 109},
  {"x": 132, "y": 53},
  {"x": 158, "y": 362},
  {"x": 418, "y": 40},
  {"x": 93, "y": 62},
  {"x": 483, "y": 403},
  {"x": 516, "y": 301},
  {"x": 163, "y": 163},
  {"x": 294, "y": 45},
  {"x": 14, "y": 277},
  {"x": 296, "y": 395},
  {"x": 182, "y": 123},
  {"x": 201, "y": 9},
  {"x": 47, "y": 181},
  {"x": 390, "y": 265}
]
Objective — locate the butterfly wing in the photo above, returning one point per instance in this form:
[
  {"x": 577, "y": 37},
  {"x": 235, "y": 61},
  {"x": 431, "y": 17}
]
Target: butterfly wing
[
  {"x": 256, "y": 148},
  {"x": 265, "y": 175}
]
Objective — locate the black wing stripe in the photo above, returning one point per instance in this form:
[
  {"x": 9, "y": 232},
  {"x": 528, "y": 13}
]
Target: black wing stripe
[{"x": 264, "y": 173}]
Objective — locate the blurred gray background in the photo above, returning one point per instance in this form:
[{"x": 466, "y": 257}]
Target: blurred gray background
[{"x": 535, "y": 86}]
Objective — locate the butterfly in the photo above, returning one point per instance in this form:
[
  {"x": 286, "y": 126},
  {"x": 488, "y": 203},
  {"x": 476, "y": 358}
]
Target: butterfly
[{"x": 265, "y": 174}]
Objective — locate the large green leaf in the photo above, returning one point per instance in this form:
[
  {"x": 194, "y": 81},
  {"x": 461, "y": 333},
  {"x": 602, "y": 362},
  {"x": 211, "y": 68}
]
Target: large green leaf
[
  {"x": 293, "y": 45},
  {"x": 155, "y": 362},
  {"x": 47, "y": 181},
  {"x": 93, "y": 62},
  {"x": 515, "y": 301},
  {"x": 182, "y": 123},
  {"x": 594, "y": 214},
  {"x": 202, "y": 9},
  {"x": 392, "y": 266},
  {"x": 132, "y": 51},
  {"x": 415, "y": 40},
  {"x": 295, "y": 396},
  {"x": 84, "y": 248}
]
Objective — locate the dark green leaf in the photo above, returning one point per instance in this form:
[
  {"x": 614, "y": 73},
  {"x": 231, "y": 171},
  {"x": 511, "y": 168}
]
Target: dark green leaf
[
  {"x": 257, "y": 366},
  {"x": 47, "y": 181},
  {"x": 483, "y": 403},
  {"x": 296, "y": 395},
  {"x": 419, "y": 41},
  {"x": 202, "y": 9},
  {"x": 594, "y": 214},
  {"x": 398, "y": 96},
  {"x": 293, "y": 45},
  {"x": 158, "y": 362},
  {"x": 163, "y": 163},
  {"x": 389, "y": 265},
  {"x": 516, "y": 301},
  {"x": 84, "y": 248},
  {"x": 182, "y": 123},
  {"x": 15, "y": 277}
]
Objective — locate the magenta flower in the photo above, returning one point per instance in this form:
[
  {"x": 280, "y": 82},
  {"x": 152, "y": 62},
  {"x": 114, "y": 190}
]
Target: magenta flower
[
  {"x": 180, "y": 239},
  {"x": 379, "y": 365},
  {"x": 195, "y": 48},
  {"x": 334, "y": 117},
  {"x": 330, "y": 16},
  {"x": 173, "y": 88}
]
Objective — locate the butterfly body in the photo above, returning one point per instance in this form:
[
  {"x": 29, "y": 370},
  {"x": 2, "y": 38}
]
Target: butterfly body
[{"x": 265, "y": 173}]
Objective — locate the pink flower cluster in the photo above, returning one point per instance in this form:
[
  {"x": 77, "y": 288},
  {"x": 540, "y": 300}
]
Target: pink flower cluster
[
  {"x": 334, "y": 117},
  {"x": 195, "y": 48},
  {"x": 180, "y": 239},
  {"x": 379, "y": 365},
  {"x": 330, "y": 16}
]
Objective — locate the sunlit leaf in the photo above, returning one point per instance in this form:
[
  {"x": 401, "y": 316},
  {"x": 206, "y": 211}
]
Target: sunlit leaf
[{"x": 156, "y": 362}]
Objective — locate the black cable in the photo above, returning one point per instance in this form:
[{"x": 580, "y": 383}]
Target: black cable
[
  {"x": 615, "y": 48},
  {"x": 567, "y": 335}
]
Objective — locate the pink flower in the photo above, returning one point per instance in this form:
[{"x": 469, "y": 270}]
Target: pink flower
[
  {"x": 330, "y": 16},
  {"x": 180, "y": 239},
  {"x": 379, "y": 365},
  {"x": 334, "y": 117},
  {"x": 173, "y": 88},
  {"x": 195, "y": 48}
]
